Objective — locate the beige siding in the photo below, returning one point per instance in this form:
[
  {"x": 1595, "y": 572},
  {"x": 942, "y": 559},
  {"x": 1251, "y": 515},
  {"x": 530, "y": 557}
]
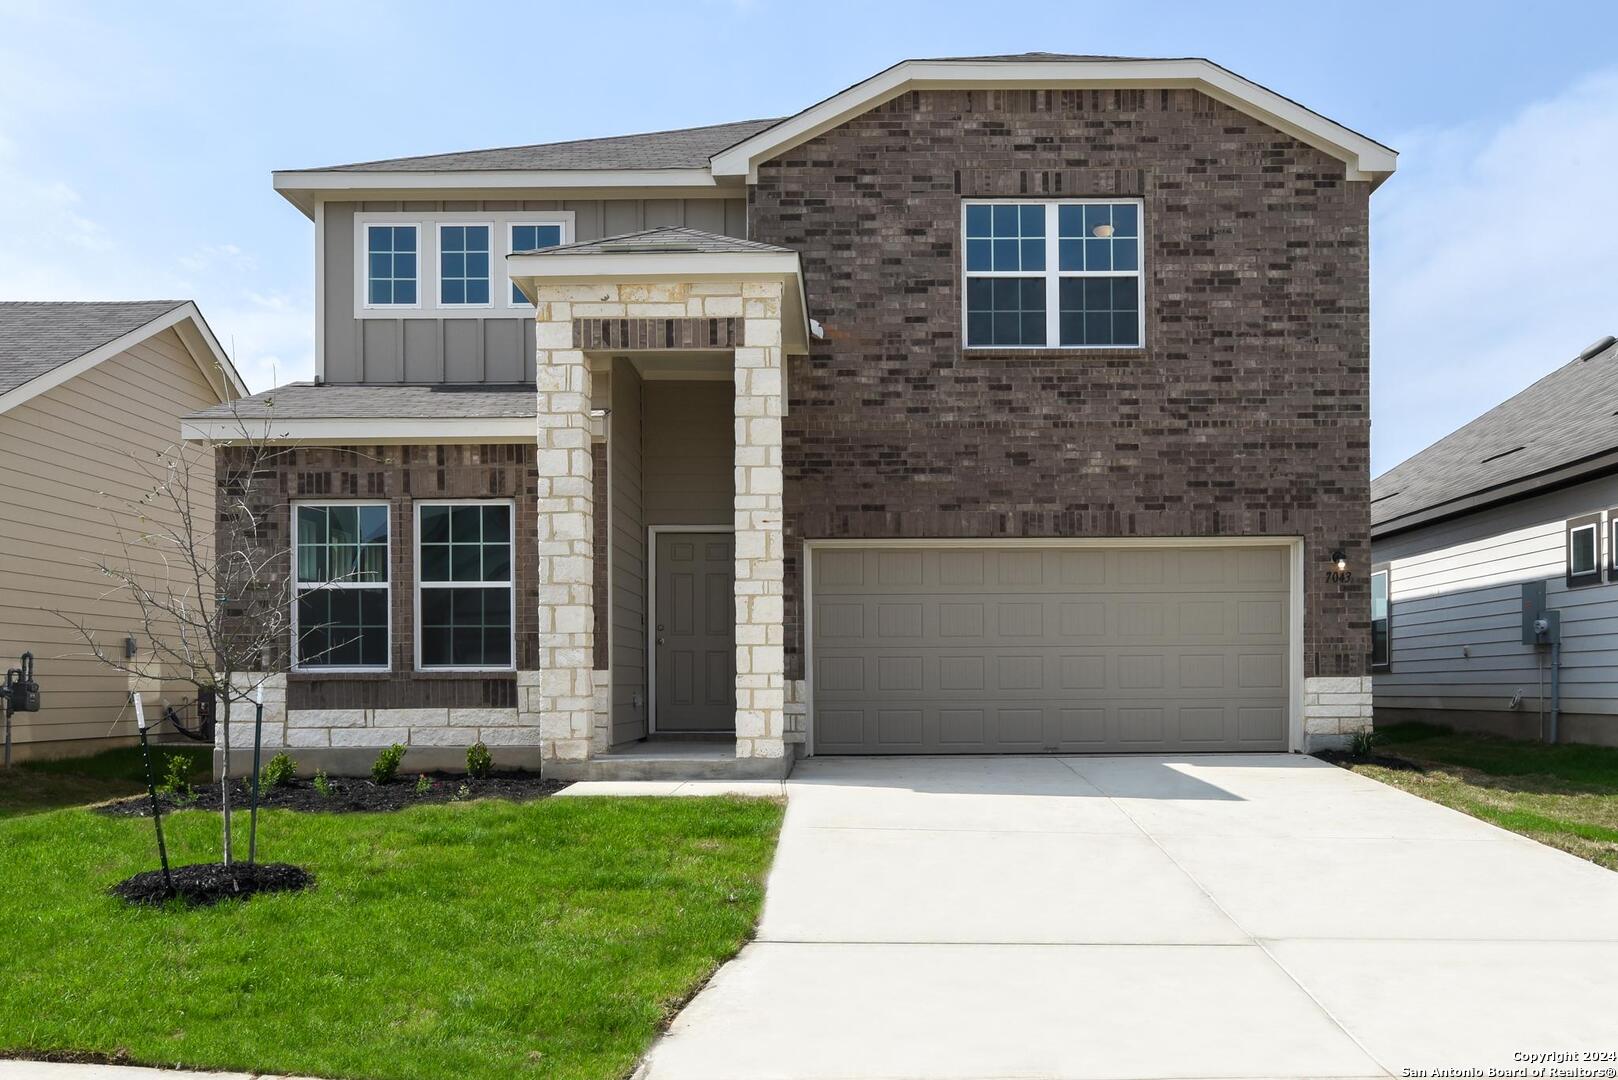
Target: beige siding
[
  {"x": 58, "y": 453},
  {"x": 628, "y": 542},
  {"x": 475, "y": 350},
  {"x": 690, "y": 453}
]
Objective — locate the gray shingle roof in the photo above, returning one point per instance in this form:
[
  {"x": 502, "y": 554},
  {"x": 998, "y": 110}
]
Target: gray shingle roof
[
  {"x": 343, "y": 401},
  {"x": 664, "y": 238},
  {"x": 1564, "y": 418},
  {"x": 37, "y": 337},
  {"x": 1036, "y": 57},
  {"x": 683, "y": 148}
]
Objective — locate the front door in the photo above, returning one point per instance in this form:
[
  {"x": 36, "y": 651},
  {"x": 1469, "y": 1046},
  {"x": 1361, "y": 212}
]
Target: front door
[{"x": 694, "y": 632}]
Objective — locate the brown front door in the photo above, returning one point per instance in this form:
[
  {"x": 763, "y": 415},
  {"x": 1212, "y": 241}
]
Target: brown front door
[{"x": 694, "y": 636}]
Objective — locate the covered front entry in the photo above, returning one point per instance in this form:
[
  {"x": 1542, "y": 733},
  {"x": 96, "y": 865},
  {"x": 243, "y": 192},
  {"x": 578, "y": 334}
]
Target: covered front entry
[
  {"x": 693, "y": 646},
  {"x": 984, "y": 649}
]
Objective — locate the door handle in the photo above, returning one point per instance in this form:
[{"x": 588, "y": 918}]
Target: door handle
[{"x": 660, "y": 641}]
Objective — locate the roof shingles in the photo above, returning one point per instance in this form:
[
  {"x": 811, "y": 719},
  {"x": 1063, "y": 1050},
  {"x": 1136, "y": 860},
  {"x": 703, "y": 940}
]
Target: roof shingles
[
  {"x": 353, "y": 401},
  {"x": 37, "y": 337}
]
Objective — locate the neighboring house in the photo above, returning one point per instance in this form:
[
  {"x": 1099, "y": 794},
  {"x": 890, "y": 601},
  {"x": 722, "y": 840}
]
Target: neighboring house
[
  {"x": 1523, "y": 495},
  {"x": 1006, "y": 404},
  {"x": 91, "y": 395}
]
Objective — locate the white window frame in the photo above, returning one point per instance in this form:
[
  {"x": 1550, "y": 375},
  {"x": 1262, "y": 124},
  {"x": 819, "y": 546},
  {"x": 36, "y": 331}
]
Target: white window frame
[
  {"x": 1387, "y": 593},
  {"x": 1594, "y": 528},
  {"x": 364, "y": 261},
  {"x": 562, "y": 218},
  {"x": 511, "y": 521},
  {"x": 1053, "y": 274},
  {"x": 387, "y": 585},
  {"x": 438, "y": 263}
]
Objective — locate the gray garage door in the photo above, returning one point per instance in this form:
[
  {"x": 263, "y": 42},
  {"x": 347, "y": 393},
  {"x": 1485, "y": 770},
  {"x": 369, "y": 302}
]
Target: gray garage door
[{"x": 1023, "y": 650}]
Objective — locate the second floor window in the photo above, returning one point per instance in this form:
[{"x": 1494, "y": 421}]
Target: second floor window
[
  {"x": 1053, "y": 274},
  {"x": 463, "y": 265},
  {"x": 531, "y": 237},
  {"x": 390, "y": 267}
]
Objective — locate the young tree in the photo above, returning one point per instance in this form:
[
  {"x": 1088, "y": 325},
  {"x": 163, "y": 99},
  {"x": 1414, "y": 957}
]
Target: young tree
[{"x": 200, "y": 563}]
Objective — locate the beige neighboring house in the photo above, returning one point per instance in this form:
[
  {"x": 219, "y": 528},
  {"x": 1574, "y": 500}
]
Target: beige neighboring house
[{"x": 87, "y": 391}]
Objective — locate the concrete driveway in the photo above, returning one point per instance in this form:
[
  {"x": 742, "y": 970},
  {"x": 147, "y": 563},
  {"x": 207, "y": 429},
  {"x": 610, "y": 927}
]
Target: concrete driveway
[{"x": 1252, "y": 916}]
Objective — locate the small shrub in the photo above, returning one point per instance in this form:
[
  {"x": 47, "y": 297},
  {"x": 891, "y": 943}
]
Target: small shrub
[
  {"x": 279, "y": 770},
  {"x": 424, "y": 786},
  {"x": 322, "y": 784},
  {"x": 1361, "y": 743},
  {"x": 478, "y": 761},
  {"x": 463, "y": 792},
  {"x": 385, "y": 769},
  {"x": 177, "y": 777}
]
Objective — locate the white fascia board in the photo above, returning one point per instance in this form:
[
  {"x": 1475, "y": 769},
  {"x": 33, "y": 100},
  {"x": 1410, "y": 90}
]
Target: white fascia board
[
  {"x": 200, "y": 344},
  {"x": 369, "y": 429},
  {"x": 1366, "y": 158},
  {"x": 305, "y": 188},
  {"x": 651, "y": 266}
]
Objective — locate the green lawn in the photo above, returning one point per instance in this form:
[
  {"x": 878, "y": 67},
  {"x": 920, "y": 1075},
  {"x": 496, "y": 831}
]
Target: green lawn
[
  {"x": 482, "y": 939},
  {"x": 1565, "y": 796},
  {"x": 31, "y": 786}
]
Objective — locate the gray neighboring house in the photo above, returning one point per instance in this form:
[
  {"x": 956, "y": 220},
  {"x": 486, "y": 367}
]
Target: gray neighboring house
[
  {"x": 998, "y": 404},
  {"x": 1526, "y": 494}
]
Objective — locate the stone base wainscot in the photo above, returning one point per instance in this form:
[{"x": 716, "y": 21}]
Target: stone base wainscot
[{"x": 1334, "y": 709}]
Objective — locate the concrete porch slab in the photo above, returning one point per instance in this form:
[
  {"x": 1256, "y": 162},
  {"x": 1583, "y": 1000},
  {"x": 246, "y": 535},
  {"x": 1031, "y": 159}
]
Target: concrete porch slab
[{"x": 756, "y": 789}]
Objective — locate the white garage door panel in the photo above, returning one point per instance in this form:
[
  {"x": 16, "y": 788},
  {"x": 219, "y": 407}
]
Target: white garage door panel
[{"x": 1025, "y": 650}]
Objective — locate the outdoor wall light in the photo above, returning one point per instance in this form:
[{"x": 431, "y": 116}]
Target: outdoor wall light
[{"x": 1339, "y": 561}]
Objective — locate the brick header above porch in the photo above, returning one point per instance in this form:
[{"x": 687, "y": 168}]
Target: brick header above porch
[{"x": 653, "y": 333}]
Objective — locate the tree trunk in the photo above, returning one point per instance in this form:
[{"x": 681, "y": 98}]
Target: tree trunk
[{"x": 224, "y": 758}]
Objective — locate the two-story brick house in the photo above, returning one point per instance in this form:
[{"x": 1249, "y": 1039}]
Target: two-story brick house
[{"x": 993, "y": 405}]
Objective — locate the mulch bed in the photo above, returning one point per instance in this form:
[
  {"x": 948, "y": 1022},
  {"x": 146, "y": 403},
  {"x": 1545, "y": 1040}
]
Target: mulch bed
[
  {"x": 1346, "y": 760},
  {"x": 202, "y": 884},
  {"x": 350, "y": 794}
]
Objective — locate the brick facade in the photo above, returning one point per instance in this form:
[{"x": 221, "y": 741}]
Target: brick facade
[
  {"x": 400, "y": 475},
  {"x": 1246, "y": 413}
]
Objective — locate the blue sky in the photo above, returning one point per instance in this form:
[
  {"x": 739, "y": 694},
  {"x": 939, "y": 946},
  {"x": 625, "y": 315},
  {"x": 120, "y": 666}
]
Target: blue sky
[{"x": 136, "y": 141}]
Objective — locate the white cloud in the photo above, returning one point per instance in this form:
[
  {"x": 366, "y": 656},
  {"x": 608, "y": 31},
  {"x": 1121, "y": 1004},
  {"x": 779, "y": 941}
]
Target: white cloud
[{"x": 1492, "y": 262}]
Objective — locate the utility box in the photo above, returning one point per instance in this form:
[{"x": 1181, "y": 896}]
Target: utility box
[{"x": 1540, "y": 626}]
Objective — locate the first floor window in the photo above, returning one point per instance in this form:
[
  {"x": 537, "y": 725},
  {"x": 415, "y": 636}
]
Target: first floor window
[
  {"x": 1381, "y": 623},
  {"x": 463, "y": 265},
  {"x": 1582, "y": 542},
  {"x": 1057, "y": 274},
  {"x": 340, "y": 582},
  {"x": 465, "y": 585},
  {"x": 530, "y": 236},
  {"x": 390, "y": 267}
]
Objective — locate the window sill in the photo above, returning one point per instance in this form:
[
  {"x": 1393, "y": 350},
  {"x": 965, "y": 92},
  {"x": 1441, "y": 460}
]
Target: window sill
[
  {"x": 385, "y": 676},
  {"x": 1130, "y": 352}
]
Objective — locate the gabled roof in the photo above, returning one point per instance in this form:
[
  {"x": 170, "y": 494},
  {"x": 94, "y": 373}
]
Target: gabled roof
[
  {"x": 672, "y": 239},
  {"x": 1366, "y": 158},
  {"x": 1563, "y": 427},
  {"x": 682, "y": 148},
  {"x": 697, "y": 160},
  {"x": 45, "y": 343}
]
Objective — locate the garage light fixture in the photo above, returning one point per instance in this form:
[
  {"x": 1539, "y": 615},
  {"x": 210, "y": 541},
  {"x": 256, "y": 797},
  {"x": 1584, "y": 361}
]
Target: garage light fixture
[{"x": 1339, "y": 561}]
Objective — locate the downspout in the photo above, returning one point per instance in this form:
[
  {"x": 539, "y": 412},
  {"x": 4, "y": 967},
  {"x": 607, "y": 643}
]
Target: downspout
[{"x": 1556, "y": 690}]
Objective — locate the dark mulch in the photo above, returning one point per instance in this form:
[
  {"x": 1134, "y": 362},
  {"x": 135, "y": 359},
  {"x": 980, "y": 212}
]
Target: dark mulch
[
  {"x": 120, "y": 1056},
  {"x": 350, "y": 794},
  {"x": 1347, "y": 760},
  {"x": 209, "y": 883}
]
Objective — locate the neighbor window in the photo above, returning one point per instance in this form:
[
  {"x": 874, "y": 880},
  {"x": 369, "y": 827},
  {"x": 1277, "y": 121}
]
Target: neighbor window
[
  {"x": 1381, "y": 623},
  {"x": 1053, "y": 274},
  {"x": 532, "y": 237},
  {"x": 340, "y": 582},
  {"x": 1583, "y": 551},
  {"x": 463, "y": 265},
  {"x": 390, "y": 267},
  {"x": 464, "y": 585}
]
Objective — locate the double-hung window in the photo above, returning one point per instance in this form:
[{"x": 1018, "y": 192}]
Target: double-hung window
[
  {"x": 1381, "y": 620},
  {"x": 390, "y": 266},
  {"x": 465, "y": 590},
  {"x": 340, "y": 585},
  {"x": 532, "y": 236},
  {"x": 1053, "y": 274},
  {"x": 463, "y": 266},
  {"x": 1584, "y": 551}
]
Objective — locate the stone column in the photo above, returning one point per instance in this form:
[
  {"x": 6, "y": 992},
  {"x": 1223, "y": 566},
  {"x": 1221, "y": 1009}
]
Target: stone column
[
  {"x": 760, "y": 544},
  {"x": 564, "y": 697}
]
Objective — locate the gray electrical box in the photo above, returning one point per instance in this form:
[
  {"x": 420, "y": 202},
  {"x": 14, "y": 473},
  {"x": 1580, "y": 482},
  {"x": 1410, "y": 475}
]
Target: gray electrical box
[{"x": 1540, "y": 626}]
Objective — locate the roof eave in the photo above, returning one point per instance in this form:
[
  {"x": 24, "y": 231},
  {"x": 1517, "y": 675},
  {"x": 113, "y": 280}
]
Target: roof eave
[
  {"x": 1365, "y": 159},
  {"x": 1587, "y": 468},
  {"x": 303, "y": 188},
  {"x": 527, "y": 271}
]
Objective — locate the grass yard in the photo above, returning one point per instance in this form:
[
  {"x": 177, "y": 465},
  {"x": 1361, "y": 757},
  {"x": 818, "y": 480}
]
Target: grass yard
[
  {"x": 466, "y": 940},
  {"x": 32, "y": 786},
  {"x": 1565, "y": 796}
]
